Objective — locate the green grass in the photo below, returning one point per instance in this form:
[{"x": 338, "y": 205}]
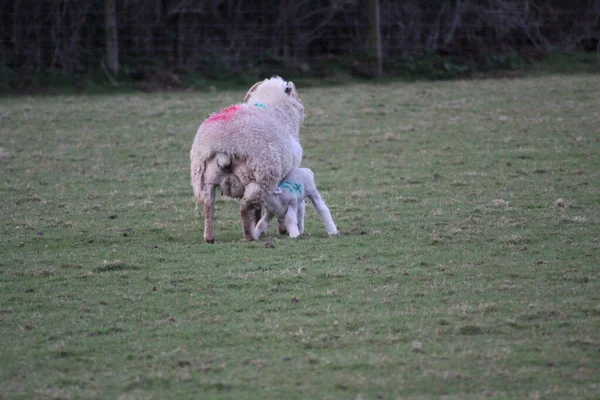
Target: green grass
[{"x": 467, "y": 266}]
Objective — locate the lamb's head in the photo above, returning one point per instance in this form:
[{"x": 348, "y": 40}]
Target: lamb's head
[{"x": 276, "y": 92}]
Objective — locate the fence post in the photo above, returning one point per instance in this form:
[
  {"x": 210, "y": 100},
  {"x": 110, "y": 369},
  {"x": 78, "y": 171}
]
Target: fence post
[
  {"x": 374, "y": 37},
  {"x": 112, "y": 43}
]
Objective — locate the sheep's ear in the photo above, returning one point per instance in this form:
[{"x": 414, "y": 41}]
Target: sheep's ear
[
  {"x": 290, "y": 89},
  {"x": 252, "y": 89}
]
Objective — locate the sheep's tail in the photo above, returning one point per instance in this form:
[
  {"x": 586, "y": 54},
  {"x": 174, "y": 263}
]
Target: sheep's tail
[
  {"x": 223, "y": 160},
  {"x": 198, "y": 169}
]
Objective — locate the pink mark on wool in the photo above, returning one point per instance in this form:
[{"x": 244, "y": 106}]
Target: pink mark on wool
[{"x": 224, "y": 114}]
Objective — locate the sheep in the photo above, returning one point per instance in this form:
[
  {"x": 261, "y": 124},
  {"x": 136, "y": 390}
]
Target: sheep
[
  {"x": 246, "y": 149},
  {"x": 288, "y": 204}
]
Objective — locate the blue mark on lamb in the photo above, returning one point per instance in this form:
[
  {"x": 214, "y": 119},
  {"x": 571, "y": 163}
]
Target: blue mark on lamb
[{"x": 291, "y": 187}]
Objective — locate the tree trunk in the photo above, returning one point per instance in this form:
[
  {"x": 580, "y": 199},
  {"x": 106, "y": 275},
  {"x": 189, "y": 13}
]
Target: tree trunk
[
  {"x": 112, "y": 42},
  {"x": 283, "y": 12},
  {"x": 180, "y": 39},
  {"x": 374, "y": 38}
]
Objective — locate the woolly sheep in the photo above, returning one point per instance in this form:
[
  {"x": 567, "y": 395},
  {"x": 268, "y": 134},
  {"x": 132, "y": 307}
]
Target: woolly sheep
[
  {"x": 246, "y": 149},
  {"x": 288, "y": 204}
]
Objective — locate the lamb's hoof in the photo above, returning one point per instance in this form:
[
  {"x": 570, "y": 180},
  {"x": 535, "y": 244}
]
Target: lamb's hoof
[
  {"x": 210, "y": 241},
  {"x": 294, "y": 233}
]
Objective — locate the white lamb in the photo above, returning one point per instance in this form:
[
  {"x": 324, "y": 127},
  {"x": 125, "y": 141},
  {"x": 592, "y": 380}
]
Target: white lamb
[
  {"x": 287, "y": 203},
  {"x": 246, "y": 149}
]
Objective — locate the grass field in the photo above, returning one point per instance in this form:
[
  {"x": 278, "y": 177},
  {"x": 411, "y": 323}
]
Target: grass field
[{"x": 467, "y": 268}]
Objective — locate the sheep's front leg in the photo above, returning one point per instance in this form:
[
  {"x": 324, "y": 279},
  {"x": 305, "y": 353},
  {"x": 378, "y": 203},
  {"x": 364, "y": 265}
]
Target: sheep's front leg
[{"x": 209, "y": 210}]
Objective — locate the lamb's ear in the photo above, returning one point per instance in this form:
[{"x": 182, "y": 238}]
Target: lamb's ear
[{"x": 252, "y": 89}]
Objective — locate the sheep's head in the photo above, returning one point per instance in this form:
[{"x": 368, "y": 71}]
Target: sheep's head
[
  {"x": 273, "y": 91},
  {"x": 282, "y": 95}
]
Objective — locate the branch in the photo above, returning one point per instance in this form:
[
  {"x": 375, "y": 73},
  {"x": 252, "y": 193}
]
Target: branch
[
  {"x": 111, "y": 79},
  {"x": 455, "y": 23},
  {"x": 433, "y": 36},
  {"x": 307, "y": 37}
]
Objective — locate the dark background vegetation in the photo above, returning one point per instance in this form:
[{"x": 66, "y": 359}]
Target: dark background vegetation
[{"x": 192, "y": 42}]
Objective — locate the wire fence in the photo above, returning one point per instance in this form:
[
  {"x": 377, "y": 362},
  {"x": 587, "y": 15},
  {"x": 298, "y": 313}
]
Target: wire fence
[{"x": 241, "y": 35}]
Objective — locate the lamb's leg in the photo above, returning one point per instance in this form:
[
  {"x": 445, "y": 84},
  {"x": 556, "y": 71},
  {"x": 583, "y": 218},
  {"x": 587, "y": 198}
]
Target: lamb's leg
[
  {"x": 262, "y": 225},
  {"x": 324, "y": 213},
  {"x": 301, "y": 213},
  {"x": 209, "y": 209},
  {"x": 291, "y": 221}
]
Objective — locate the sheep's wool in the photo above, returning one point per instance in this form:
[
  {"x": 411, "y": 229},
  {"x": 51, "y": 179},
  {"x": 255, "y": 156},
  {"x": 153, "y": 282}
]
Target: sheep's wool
[
  {"x": 263, "y": 132},
  {"x": 224, "y": 114},
  {"x": 229, "y": 112}
]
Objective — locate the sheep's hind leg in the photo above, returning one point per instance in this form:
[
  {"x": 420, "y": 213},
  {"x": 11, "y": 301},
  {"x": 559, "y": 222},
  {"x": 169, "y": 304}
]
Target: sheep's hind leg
[
  {"x": 250, "y": 209},
  {"x": 209, "y": 209},
  {"x": 248, "y": 214},
  {"x": 281, "y": 229},
  {"x": 257, "y": 215}
]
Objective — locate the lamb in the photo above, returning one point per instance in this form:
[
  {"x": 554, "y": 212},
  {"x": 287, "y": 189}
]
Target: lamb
[
  {"x": 288, "y": 204},
  {"x": 246, "y": 149}
]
